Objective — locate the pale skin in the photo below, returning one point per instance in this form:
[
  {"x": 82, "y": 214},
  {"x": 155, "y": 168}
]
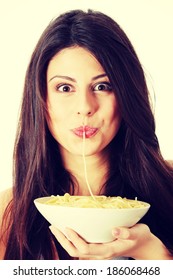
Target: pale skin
[{"x": 74, "y": 77}]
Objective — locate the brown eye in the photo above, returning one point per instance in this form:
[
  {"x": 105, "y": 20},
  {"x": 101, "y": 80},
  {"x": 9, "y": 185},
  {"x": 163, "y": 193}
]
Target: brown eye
[
  {"x": 103, "y": 87},
  {"x": 64, "y": 88}
]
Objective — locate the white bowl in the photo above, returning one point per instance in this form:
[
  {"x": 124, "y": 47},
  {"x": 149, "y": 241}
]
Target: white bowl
[{"x": 93, "y": 224}]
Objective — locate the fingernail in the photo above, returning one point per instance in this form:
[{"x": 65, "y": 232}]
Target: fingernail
[{"x": 116, "y": 231}]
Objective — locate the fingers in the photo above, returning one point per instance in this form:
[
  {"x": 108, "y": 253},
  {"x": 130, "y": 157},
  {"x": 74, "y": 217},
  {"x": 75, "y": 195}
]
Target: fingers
[
  {"x": 90, "y": 250},
  {"x": 78, "y": 242},
  {"x": 65, "y": 242},
  {"x": 77, "y": 247},
  {"x": 131, "y": 233},
  {"x": 126, "y": 241}
]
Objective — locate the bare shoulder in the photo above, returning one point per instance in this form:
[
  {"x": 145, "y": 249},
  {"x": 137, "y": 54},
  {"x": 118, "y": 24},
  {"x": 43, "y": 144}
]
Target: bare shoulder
[
  {"x": 5, "y": 194},
  {"x": 5, "y": 198},
  {"x": 170, "y": 162}
]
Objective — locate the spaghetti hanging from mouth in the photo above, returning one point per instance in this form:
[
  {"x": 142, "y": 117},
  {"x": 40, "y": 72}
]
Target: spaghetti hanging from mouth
[{"x": 84, "y": 161}]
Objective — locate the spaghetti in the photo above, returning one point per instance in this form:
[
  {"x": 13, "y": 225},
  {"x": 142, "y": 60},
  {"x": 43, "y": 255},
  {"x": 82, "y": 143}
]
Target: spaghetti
[
  {"x": 98, "y": 202},
  {"x": 93, "y": 201},
  {"x": 84, "y": 162}
]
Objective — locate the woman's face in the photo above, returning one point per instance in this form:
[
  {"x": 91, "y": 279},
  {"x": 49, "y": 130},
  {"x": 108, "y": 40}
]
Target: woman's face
[{"x": 80, "y": 102}]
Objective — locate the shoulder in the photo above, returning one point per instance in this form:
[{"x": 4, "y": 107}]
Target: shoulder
[
  {"x": 170, "y": 163},
  {"x": 5, "y": 198}
]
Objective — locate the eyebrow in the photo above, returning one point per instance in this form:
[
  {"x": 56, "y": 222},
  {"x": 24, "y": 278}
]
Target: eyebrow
[{"x": 73, "y": 80}]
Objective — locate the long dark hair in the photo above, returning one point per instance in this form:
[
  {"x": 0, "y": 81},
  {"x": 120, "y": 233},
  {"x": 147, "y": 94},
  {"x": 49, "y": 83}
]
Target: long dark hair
[{"x": 137, "y": 167}]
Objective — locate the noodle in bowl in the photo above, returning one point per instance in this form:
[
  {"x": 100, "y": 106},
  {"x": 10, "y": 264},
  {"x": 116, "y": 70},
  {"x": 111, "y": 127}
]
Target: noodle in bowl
[{"x": 93, "y": 218}]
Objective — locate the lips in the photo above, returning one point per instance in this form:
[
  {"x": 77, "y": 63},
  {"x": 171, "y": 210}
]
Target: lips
[{"x": 89, "y": 131}]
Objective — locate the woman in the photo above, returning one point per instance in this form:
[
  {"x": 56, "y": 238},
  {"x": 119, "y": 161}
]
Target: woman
[{"x": 84, "y": 77}]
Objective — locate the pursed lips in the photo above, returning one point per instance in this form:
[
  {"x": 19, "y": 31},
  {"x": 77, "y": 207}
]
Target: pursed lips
[{"x": 88, "y": 130}]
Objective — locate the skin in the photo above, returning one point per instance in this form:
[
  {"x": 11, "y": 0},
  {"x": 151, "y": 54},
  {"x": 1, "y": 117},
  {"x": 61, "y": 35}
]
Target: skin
[
  {"x": 79, "y": 93},
  {"x": 81, "y": 102}
]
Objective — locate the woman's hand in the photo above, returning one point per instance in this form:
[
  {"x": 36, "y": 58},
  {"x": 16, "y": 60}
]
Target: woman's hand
[{"x": 136, "y": 242}]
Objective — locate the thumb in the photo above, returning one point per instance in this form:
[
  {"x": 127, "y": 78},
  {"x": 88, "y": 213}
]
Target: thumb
[
  {"x": 121, "y": 233},
  {"x": 131, "y": 233}
]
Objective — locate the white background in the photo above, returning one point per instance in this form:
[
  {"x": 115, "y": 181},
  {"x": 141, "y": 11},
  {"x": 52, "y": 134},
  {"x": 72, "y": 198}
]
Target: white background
[
  {"x": 86, "y": 269},
  {"x": 148, "y": 24}
]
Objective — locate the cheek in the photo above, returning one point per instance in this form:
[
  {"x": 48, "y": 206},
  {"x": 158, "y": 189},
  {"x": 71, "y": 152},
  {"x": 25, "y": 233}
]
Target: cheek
[
  {"x": 50, "y": 124},
  {"x": 54, "y": 119},
  {"x": 112, "y": 112},
  {"x": 113, "y": 119},
  {"x": 59, "y": 109},
  {"x": 56, "y": 113}
]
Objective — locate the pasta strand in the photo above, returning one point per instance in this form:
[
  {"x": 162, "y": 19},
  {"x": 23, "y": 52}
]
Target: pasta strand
[{"x": 84, "y": 162}]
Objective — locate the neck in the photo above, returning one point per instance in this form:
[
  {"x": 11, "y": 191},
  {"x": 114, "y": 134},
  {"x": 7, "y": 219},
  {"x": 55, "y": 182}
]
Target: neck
[{"x": 97, "y": 167}]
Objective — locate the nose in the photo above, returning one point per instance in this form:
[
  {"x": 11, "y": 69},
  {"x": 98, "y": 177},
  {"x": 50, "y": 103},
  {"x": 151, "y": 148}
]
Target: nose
[{"x": 86, "y": 105}]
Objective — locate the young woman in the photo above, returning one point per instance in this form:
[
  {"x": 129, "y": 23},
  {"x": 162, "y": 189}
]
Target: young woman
[{"x": 85, "y": 77}]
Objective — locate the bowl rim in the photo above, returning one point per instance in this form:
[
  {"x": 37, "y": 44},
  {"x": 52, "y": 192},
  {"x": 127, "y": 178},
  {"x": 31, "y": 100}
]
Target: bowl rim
[{"x": 39, "y": 199}]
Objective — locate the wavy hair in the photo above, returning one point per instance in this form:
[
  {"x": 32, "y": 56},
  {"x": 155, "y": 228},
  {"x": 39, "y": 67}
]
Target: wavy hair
[{"x": 137, "y": 166}]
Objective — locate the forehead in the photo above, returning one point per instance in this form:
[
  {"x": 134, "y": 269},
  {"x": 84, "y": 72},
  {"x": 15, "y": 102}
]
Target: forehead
[{"x": 73, "y": 60}]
